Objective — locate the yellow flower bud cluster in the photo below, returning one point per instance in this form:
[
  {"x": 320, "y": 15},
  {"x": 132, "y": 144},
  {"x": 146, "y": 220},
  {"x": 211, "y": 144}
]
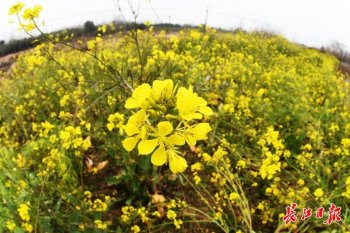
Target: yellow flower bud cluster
[
  {"x": 115, "y": 120},
  {"x": 24, "y": 213},
  {"x": 71, "y": 137}
]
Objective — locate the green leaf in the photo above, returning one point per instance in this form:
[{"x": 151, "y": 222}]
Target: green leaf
[{"x": 18, "y": 230}]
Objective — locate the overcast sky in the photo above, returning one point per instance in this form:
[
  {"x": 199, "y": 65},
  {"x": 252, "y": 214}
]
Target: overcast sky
[{"x": 311, "y": 22}]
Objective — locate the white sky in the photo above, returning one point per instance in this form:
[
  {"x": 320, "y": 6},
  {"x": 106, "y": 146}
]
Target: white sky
[{"x": 311, "y": 22}]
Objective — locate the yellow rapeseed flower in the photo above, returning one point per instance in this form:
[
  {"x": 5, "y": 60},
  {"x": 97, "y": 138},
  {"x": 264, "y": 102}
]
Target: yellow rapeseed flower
[
  {"x": 15, "y": 9},
  {"x": 196, "y": 132},
  {"x": 23, "y": 211},
  {"x": 100, "y": 224},
  {"x": 190, "y": 105},
  {"x": 135, "y": 128},
  {"x": 10, "y": 225},
  {"x": 318, "y": 193},
  {"x": 140, "y": 97},
  {"x": 31, "y": 13},
  {"x": 135, "y": 229},
  {"x": 27, "y": 227},
  {"x": 166, "y": 151}
]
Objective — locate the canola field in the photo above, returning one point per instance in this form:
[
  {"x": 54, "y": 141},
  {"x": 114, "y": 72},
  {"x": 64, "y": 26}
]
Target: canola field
[{"x": 197, "y": 131}]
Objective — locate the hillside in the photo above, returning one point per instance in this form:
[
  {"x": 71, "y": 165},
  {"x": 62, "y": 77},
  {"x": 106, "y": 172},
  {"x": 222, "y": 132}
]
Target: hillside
[{"x": 189, "y": 132}]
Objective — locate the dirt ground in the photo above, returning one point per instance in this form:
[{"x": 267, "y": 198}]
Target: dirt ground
[
  {"x": 7, "y": 61},
  {"x": 344, "y": 67}
]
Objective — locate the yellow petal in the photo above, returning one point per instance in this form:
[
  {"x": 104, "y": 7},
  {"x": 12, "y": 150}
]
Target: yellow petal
[
  {"x": 131, "y": 129},
  {"x": 143, "y": 132},
  {"x": 190, "y": 140},
  {"x": 181, "y": 91},
  {"x": 147, "y": 146},
  {"x": 131, "y": 103},
  {"x": 201, "y": 130},
  {"x": 130, "y": 143},
  {"x": 138, "y": 118},
  {"x": 206, "y": 111},
  {"x": 191, "y": 116},
  {"x": 110, "y": 126},
  {"x": 165, "y": 128},
  {"x": 157, "y": 89},
  {"x": 162, "y": 89},
  {"x": 176, "y": 140},
  {"x": 176, "y": 163},
  {"x": 159, "y": 156},
  {"x": 168, "y": 89},
  {"x": 139, "y": 97},
  {"x": 143, "y": 89}
]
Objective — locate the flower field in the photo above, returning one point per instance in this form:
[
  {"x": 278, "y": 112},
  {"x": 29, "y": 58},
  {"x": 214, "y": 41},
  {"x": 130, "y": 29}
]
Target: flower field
[{"x": 196, "y": 131}]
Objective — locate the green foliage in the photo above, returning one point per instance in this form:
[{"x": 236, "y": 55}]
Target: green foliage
[{"x": 90, "y": 28}]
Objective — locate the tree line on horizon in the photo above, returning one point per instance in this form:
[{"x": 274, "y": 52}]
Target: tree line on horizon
[{"x": 89, "y": 29}]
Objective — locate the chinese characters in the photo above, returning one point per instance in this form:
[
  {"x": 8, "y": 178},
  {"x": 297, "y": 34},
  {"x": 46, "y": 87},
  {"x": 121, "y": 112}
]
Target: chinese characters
[{"x": 333, "y": 214}]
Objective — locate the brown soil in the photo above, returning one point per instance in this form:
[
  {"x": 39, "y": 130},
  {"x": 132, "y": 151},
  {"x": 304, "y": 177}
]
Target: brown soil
[
  {"x": 344, "y": 68},
  {"x": 7, "y": 61}
]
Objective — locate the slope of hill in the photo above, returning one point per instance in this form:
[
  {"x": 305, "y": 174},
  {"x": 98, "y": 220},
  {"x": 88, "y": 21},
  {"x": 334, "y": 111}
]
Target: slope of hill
[{"x": 242, "y": 125}]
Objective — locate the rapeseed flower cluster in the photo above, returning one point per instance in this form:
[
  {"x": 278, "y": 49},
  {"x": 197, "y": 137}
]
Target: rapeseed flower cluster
[
  {"x": 24, "y": 213},
  {"x": 169, "y": 106},
  {"x": 71, "y": 138},
  {"x": 28, "y": 15}
]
